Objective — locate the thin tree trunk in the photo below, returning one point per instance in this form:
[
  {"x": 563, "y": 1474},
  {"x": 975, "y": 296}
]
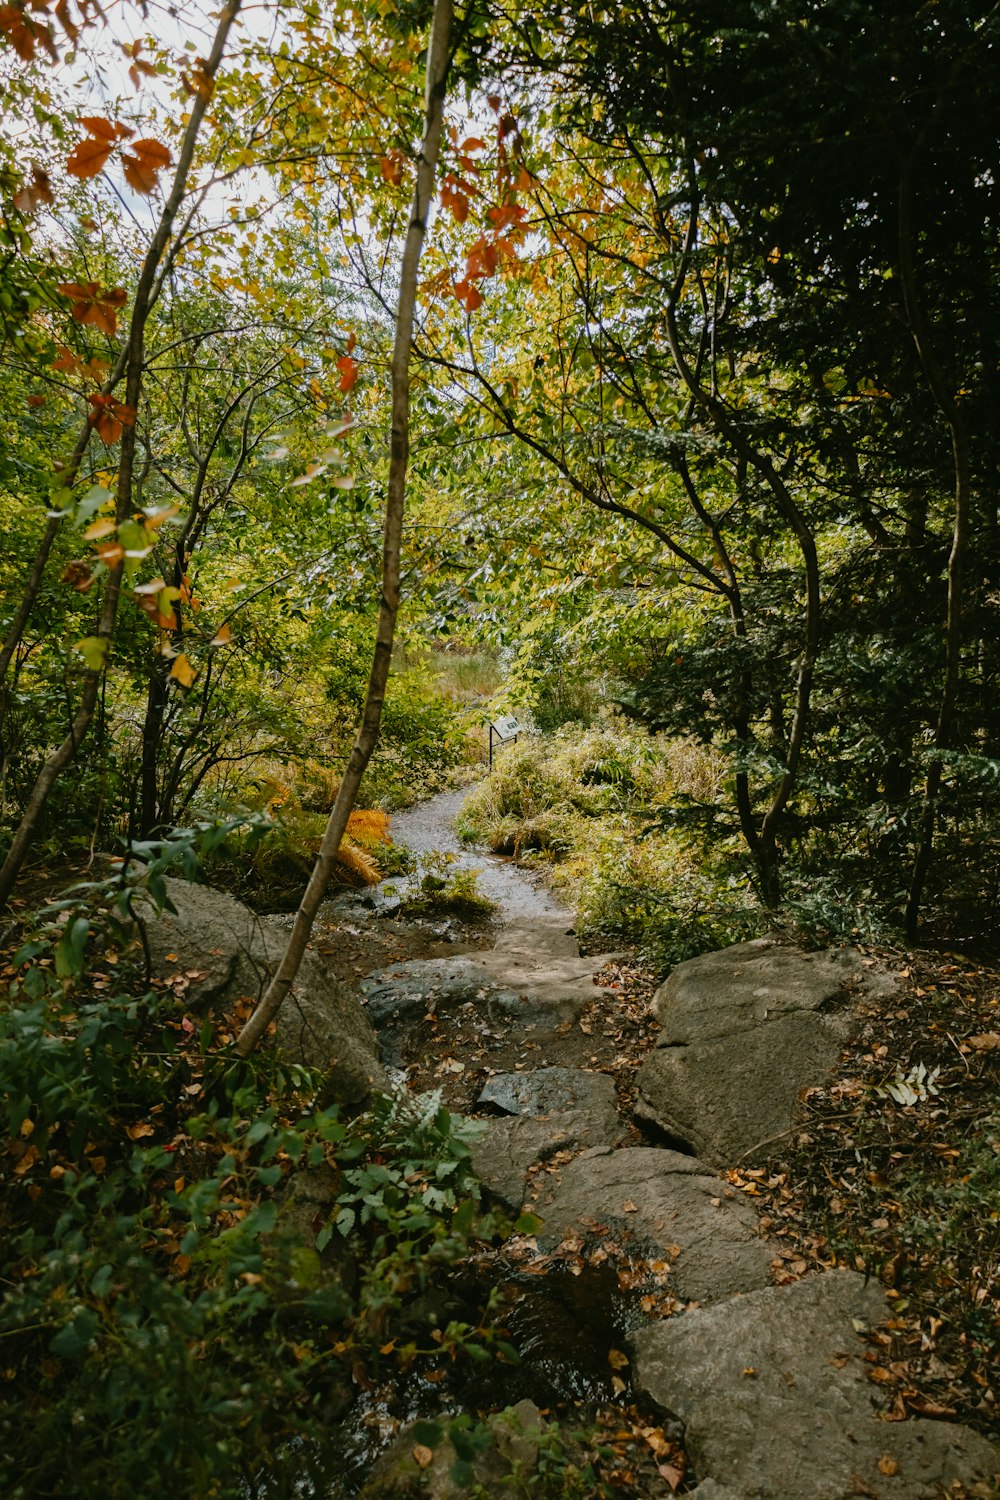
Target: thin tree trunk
[
  {"x": 949, "y": 409},
  {"x": 134, "y": 366},
  {"x": 284, "y": 977},
  {"x": 68, "y": 477}
]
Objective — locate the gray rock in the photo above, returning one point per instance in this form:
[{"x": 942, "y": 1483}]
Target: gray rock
[
  {"x": 515, "y": 1432},
  {"x": 745, "y": 1030},
  {"x": 506, "y": 1149},
  {"x": 547, "y": 988},
  {"x": 225, "y": 952},
  {"x": 407, "y": 990},
  {"x": 665, "y": 1200},
  {"x": 772, "y": 1392},
  {"x": 709, "y": 1490},
  {"x": 545, "y": 1090},
  {"x": 551, "y": 935}
]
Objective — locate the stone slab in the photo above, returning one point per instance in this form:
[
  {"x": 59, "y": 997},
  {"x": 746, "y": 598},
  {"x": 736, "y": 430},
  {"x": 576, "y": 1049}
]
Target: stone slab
[
  {"x": 668, "y": 1202},
  {"x": 772, "y": 1391}
]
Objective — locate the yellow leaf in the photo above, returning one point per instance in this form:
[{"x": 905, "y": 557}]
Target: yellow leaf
[
  {"x": 222, "y": 636},
  {"x": 100, "y": 528},
  {"x": 182, "y": 671},
  {"x": 617, "y": 1360}
]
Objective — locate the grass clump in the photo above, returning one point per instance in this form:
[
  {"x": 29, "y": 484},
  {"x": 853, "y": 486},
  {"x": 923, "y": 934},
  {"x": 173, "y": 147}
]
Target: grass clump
[{"x": 582, "y": 801}]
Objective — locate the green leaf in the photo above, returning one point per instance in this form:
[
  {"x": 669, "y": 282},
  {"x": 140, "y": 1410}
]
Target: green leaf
[
  {"x": 94, "y": 650},
  {"x": 528, "y": 1224}
]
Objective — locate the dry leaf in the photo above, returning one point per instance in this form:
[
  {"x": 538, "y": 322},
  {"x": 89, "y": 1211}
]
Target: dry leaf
[
  {"x": 423, "y": 1457},
  {"x": 887, "y": 1465}
]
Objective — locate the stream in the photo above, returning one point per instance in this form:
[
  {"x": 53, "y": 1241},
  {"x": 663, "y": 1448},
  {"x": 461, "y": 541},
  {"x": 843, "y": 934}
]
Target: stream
[{"x": 427, "y": 828}]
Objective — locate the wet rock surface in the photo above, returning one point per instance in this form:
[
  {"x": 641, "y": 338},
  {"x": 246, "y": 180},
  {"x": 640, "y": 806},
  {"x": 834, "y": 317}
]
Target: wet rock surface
[{"x": 773, "y": 1395}]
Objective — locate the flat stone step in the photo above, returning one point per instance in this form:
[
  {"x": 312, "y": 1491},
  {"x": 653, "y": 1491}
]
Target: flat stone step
[{"x": 773, "y": 1394}]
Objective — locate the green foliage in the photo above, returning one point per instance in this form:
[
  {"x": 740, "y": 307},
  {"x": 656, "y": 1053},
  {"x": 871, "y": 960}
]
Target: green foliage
[
  {"x": 161, "y": 1308},
  {"x": 443, "y": 891},
  {"x": 583, "y": 801}
]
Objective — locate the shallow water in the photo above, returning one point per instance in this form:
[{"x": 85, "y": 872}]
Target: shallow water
[{"x": 427, "y": 828}]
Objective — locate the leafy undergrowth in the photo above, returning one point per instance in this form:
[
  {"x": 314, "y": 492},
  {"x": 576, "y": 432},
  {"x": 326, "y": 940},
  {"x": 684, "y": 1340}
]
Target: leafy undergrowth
[
  {"x": 590, "y": 806},
  {"x": 170, "y": 1301},
  {"x": 908, "y": 1192}
]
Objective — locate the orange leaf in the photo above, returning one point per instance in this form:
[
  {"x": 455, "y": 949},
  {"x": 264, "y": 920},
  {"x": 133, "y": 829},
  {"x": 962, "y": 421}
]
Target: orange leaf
[
  {"x": 88, "y": 157},
  {"x": 36, "y": 400},
  {"x": 391, "y": 167},
  {"x": 23, "y": 34},
  {"x": 109, "y": 417},
  {"x": 105, "y": 130},
  {"x": 222, "y": 636},
  {"x": 348, "y": 368},
  {"x": 77, "y": 573},
  {"x": 139, "y": 1132},
  {"x": 466, "y": 292},
  {"x": 182, "y": 671},
  {"x": 94, "y": 304},
  {"x": 39, "y": 190},
  {"x": 142, "y": 165},
  {"x": 66, "y": 361},
  {"x": 27, "y": 1161},
  {"x": 351, "y": 343}
]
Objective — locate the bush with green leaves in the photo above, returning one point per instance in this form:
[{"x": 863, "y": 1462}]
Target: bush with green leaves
[{"x": 162, "y": 1310}]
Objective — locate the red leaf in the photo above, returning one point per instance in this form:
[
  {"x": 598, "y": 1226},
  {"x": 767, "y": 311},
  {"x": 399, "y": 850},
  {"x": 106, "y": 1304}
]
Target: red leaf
[
  {"x": 348, "y": 368},
  {"x": 89, "y": 157},
  {"x": 94, "y": 304},
  {"x": 143, "y": 163}
]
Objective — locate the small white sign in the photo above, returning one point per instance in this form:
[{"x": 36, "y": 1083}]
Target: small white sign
[{"x": 506, "y": 727}]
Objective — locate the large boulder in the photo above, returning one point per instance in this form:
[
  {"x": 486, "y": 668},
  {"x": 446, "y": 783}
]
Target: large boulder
[
  {"x": 665, "y": 1201},
  {"x": 772, "y": 1391},
  {"x": 217, "y": 951},
  {"x": 745, "y": 1030}
]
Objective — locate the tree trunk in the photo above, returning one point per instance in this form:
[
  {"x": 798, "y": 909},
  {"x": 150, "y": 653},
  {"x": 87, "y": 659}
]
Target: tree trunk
[
  {"x": 950, "y": 410},
  {"x": 134, "y": 368},
  {"x": 284, "y": 978}
]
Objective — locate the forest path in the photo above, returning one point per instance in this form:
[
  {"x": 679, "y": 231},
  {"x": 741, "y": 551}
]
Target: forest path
[{"x": 428, "y": 828}]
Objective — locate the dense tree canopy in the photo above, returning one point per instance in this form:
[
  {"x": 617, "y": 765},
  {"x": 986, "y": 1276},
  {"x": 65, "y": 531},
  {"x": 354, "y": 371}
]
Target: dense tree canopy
[{"x": 706, "y": 368}]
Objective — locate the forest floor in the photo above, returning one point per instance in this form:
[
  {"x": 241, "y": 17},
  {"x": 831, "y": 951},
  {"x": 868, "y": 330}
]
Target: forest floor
[{"x": 908, "y": 1193}]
